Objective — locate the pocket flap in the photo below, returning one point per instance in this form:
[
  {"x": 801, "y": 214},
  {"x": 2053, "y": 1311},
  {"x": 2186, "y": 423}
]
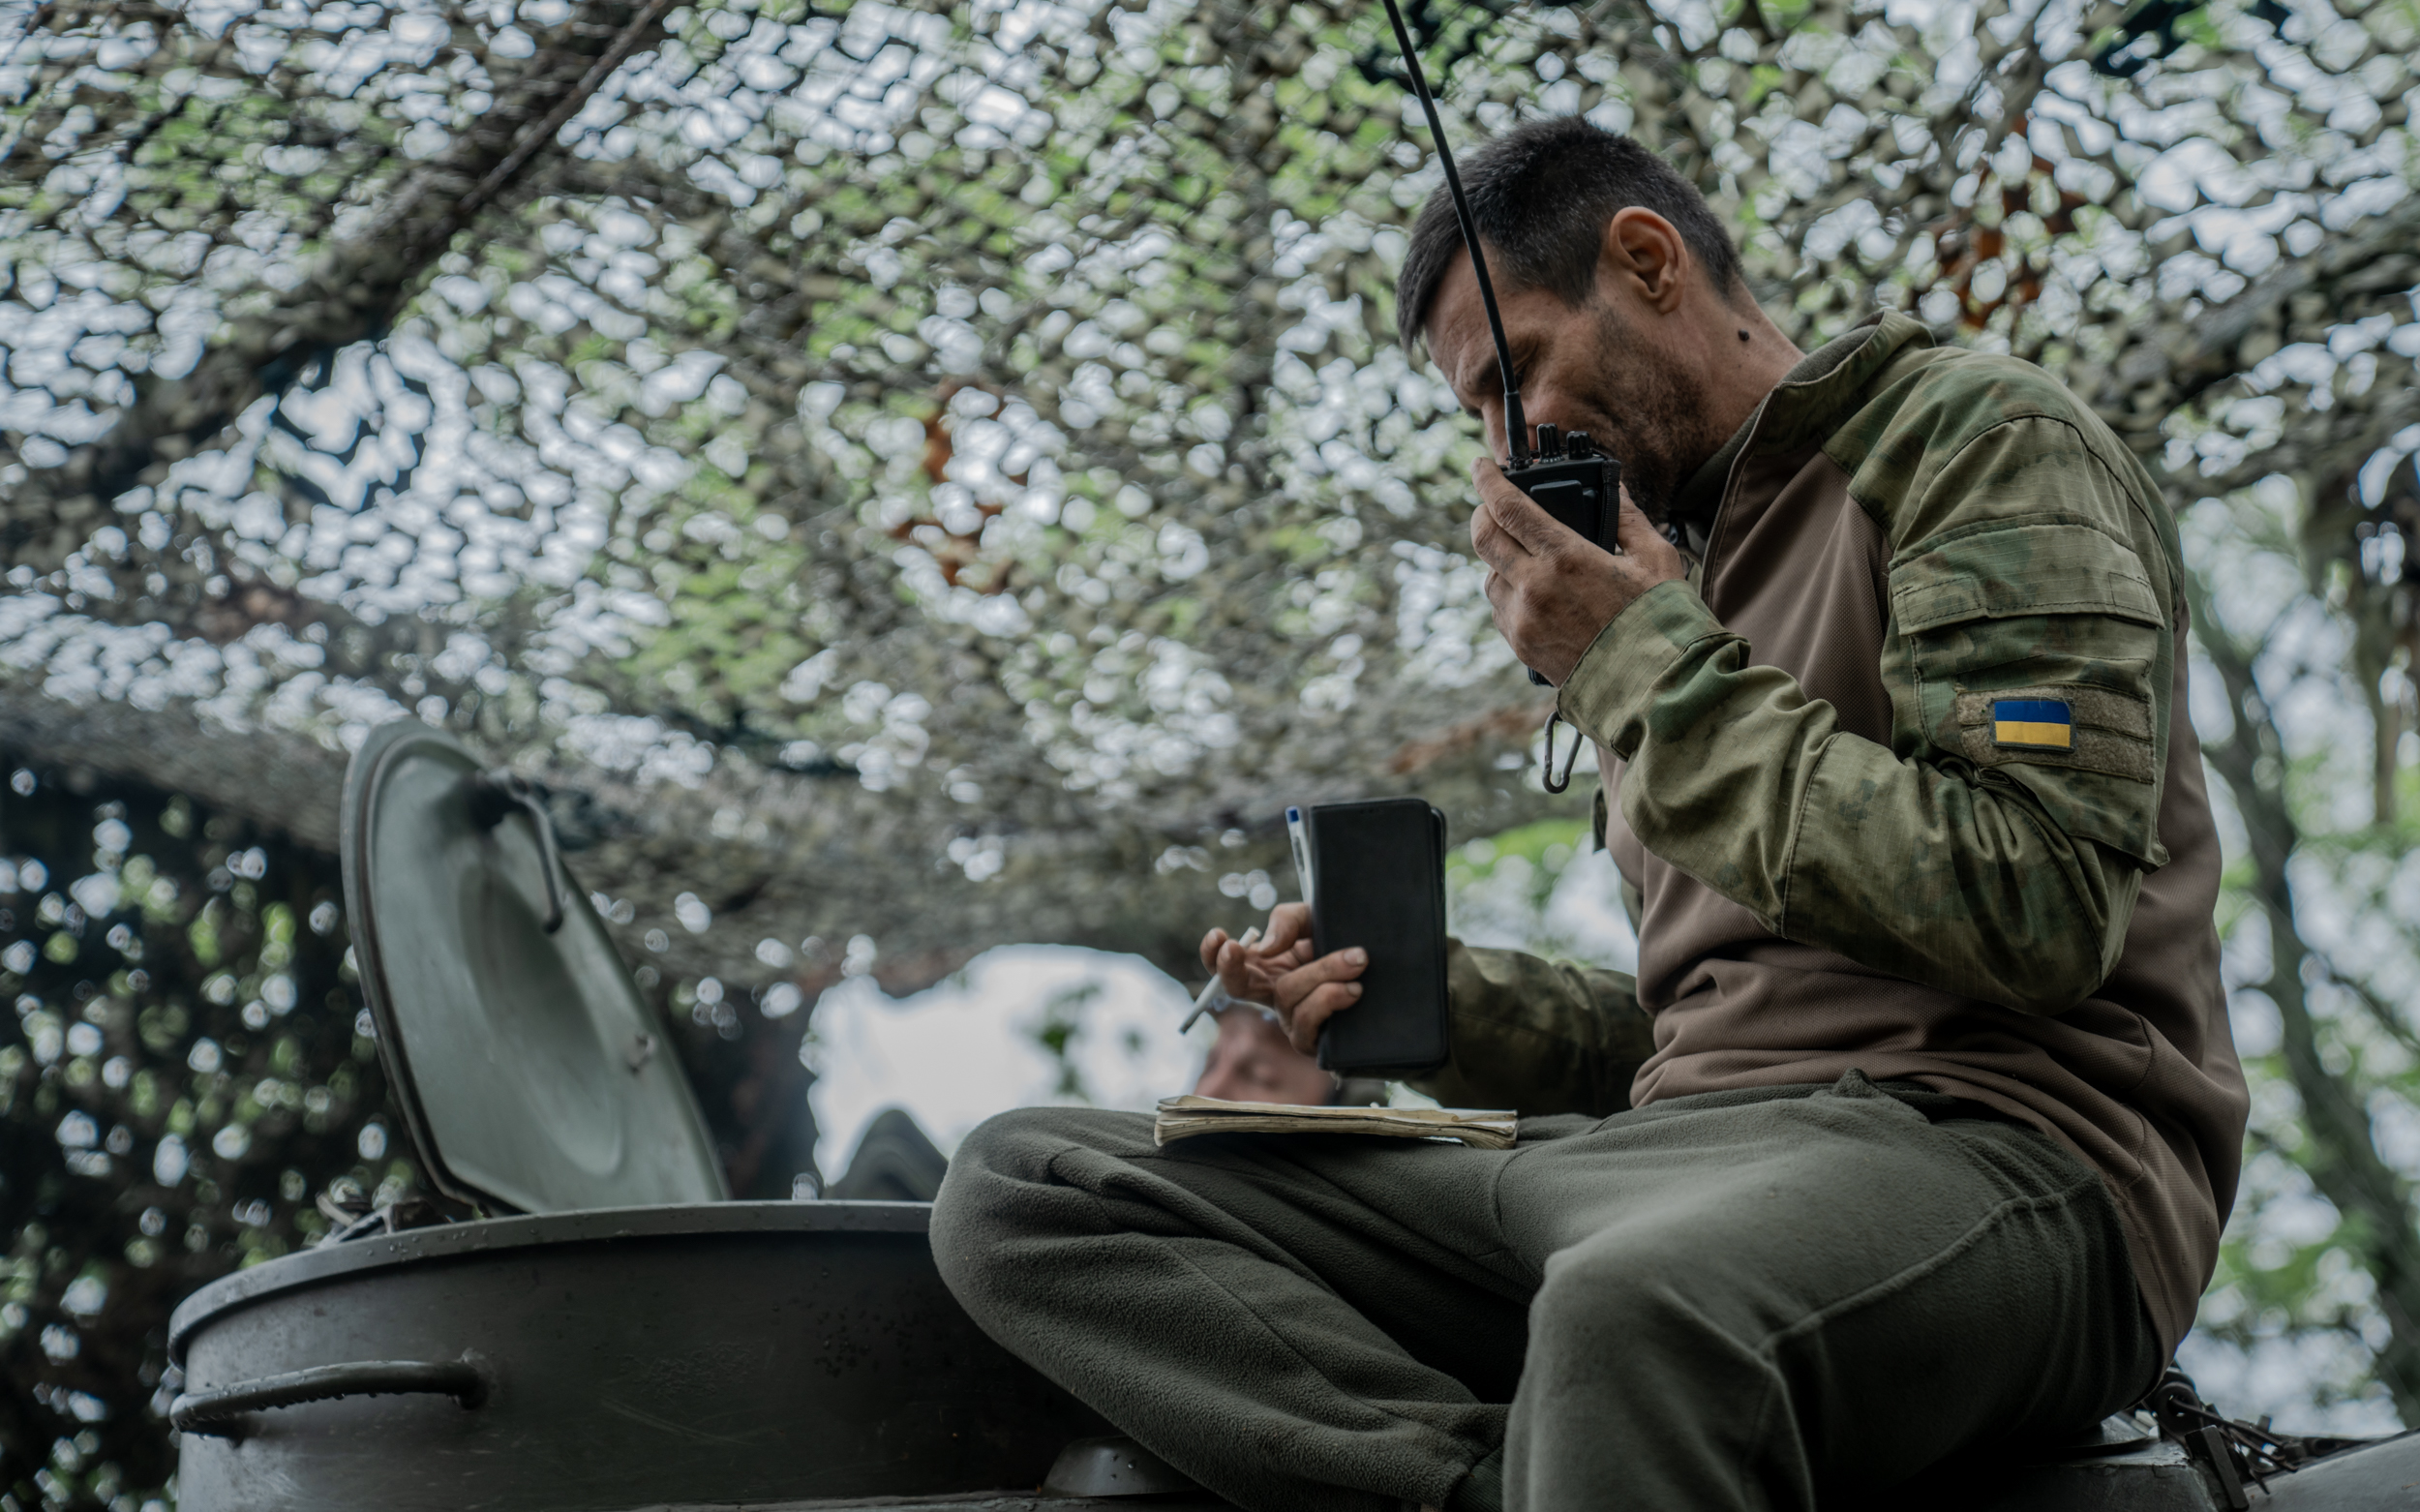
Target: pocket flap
[{"x": 2031, "y": 567}]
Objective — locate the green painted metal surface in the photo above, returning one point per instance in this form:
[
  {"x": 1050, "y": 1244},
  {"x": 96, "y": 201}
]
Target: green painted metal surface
[
  {"x": 532, "y": 1072},
  {"x": 727, "y": 1353}
]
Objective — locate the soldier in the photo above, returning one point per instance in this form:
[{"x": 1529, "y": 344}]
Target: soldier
[
  {"x": 1256, "y": 1061},
  {"x": 1917, "y": 1127}
]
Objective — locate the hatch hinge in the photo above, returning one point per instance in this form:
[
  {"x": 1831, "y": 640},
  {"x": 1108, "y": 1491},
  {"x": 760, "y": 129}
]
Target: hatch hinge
[{"x": 498, "y": 793}]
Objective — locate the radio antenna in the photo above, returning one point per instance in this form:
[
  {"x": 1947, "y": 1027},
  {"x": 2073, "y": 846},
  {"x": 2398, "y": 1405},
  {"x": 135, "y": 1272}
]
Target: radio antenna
[{"x": 1516, "y": 425}]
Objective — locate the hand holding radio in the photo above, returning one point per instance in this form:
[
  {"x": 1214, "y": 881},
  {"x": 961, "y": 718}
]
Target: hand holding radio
[
  {"x": 1553, "y": 590},
  {"x": 1557, "y": 574}
]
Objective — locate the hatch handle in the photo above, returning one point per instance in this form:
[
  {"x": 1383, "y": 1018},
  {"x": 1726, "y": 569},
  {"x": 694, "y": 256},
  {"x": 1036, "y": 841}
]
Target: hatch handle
[
  {"x": 498, "y": 793},
  {"x": 213, "y": 1413}
]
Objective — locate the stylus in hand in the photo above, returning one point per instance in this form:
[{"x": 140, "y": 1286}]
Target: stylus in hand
[{"x": 1215, "y": 997}]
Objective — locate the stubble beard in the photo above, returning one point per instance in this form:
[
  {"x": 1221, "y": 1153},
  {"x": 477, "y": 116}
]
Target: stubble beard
[{"x": 1670, "y": 435}]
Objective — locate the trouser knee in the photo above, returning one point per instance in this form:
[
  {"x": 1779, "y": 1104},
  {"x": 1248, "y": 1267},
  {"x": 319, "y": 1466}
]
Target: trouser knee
[
  {"x": 1609, "y": 1314},
  {"x": 999, "y": 1157},
  {"x": 1000, "y": 1189}
]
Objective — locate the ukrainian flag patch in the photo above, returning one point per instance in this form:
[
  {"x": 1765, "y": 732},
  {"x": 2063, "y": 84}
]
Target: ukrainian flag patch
[{"x": 2035, "y": 724}]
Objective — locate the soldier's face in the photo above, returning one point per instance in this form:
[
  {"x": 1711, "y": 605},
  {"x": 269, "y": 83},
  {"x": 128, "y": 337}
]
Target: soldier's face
[
  {"x": 1600, "y": 368},
  {"x": 1254, "y": 1062}
]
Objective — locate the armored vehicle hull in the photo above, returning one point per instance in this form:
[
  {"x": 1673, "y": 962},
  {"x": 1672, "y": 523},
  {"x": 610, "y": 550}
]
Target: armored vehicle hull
[{"x": 606, "y": 1360}]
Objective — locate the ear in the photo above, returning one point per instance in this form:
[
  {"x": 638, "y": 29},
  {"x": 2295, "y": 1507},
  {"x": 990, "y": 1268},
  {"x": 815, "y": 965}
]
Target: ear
[{"x": 1643, "y": 252}]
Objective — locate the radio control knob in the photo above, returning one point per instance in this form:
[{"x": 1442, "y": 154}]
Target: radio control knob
[{"x": 1550, "y": 443}]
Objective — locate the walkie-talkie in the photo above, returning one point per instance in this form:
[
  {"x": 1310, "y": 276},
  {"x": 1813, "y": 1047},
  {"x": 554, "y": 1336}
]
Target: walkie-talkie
[{"x": 1571, "y": 478}]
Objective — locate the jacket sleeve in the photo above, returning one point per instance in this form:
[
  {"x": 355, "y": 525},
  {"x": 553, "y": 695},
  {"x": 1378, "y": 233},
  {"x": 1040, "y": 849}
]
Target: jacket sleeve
[
  {"x": 1958, "y": 860},
  {"x": 1543, "y": 1037}
]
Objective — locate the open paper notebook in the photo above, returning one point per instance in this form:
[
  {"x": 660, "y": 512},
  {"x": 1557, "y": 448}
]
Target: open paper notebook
[{"x": 1180, "y": 1118}]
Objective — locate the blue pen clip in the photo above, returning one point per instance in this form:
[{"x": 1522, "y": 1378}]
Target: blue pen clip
[{"x": 1298, "y": 834}]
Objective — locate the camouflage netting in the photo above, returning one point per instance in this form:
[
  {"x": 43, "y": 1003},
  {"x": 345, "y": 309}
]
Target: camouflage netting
[
  {"x": 936, "y": 475},
  {"x": 907, "y": 478},
  {"x": 173, "y": 1105}
]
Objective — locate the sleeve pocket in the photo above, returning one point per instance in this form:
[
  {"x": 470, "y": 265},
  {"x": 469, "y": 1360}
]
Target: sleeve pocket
[
  {"x": 2098, "y": 729},
  {"x": 2037, "y": 565},
  {"x": 2050, "y": 614}
]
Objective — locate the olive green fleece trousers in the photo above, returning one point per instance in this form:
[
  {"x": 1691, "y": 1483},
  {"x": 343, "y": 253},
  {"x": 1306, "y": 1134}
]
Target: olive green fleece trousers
[{"x": 1736, "y": 1300}]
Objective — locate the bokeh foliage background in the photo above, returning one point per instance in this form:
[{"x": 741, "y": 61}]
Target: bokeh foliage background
[{"x": 906, "y": 478}]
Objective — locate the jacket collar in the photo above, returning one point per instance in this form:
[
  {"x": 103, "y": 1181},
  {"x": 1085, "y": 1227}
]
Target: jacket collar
[{"x": 1800, "y": 409}]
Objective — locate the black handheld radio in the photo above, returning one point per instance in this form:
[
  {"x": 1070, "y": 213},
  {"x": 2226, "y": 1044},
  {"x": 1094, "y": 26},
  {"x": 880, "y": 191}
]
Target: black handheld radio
[{"x": 1572, "y": 478}]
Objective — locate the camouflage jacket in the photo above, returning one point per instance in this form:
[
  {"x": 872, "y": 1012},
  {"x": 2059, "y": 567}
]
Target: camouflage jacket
[
  {"x": 1941, "y": 858},
  {"x": 1896, "y": 777}
]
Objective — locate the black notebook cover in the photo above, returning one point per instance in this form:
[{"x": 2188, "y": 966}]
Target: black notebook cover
[{"x": 1378, "y": 881}]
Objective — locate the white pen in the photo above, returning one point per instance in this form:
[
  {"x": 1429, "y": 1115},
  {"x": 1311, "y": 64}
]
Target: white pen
[
  {"x": 1214, "y": 996},
  {"x": 1298, "y": 834}
]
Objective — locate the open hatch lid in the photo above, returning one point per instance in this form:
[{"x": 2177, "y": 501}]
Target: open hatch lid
[{"x": 532, "y": 1073}]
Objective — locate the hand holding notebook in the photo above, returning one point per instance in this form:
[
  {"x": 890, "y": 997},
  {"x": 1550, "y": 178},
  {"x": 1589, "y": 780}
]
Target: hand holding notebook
[
  {"x": 1274, "y": 969},
  {"x": 1358, "y": 971}
]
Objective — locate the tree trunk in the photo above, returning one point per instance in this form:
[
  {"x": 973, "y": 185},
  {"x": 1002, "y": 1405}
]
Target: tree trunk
[{"x": 2343, "y": 1162}]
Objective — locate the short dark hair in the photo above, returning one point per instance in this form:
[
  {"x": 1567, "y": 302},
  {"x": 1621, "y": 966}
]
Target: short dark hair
[{"x": 1541, "y": 194}]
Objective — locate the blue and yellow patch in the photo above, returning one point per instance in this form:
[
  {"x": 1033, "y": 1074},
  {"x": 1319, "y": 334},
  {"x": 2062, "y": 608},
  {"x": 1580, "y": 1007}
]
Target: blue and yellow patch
[{"x": 2038, "y": 724}]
